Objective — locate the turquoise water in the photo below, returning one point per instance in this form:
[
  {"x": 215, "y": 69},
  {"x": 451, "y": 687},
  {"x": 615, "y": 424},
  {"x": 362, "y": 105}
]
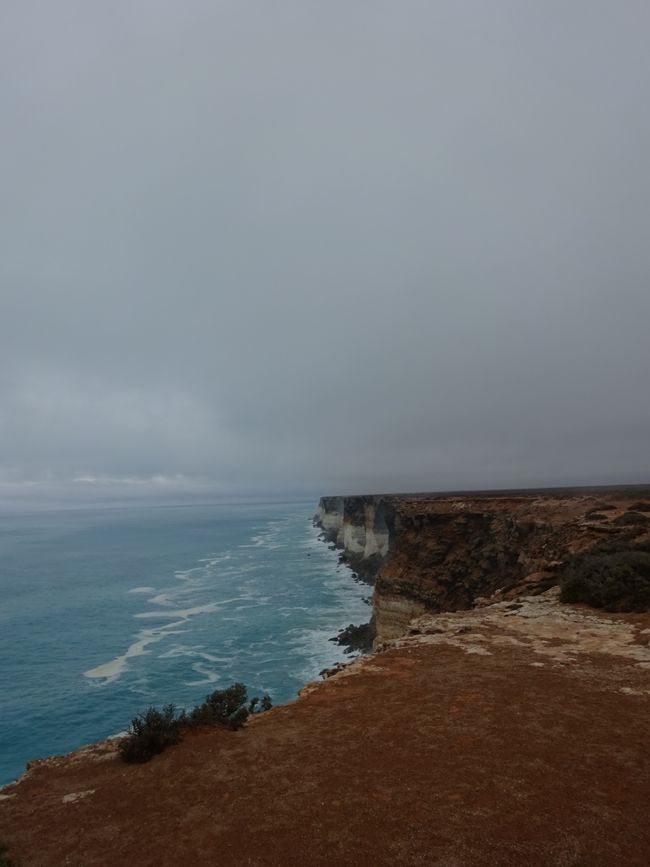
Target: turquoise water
[{"x": 104, "y": 612}]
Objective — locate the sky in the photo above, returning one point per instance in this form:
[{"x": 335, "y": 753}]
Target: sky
[{"x": 252, "y": 248}]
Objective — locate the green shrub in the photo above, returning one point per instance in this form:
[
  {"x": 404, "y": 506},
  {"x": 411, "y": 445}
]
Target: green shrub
[
  {"x": 5, "y": 860},
  {"x": 614, "y": 577},
  {"x": 627, "y": 519},
  {"x": 150, "y": 733},
  {"x": 226, "y": 707},
  {"x": 264, "y": 703}
]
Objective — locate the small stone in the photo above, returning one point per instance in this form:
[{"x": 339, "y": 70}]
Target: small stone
[{"x": 76, "y": 796}]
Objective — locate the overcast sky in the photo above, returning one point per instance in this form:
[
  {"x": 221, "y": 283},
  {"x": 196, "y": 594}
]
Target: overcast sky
[{"x": 322, "y": 247}]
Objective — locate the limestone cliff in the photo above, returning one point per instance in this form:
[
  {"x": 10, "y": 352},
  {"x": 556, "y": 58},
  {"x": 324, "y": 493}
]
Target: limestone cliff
[
  {"x": 362, "y": 527},
  {"x": 442, "y": 553}
]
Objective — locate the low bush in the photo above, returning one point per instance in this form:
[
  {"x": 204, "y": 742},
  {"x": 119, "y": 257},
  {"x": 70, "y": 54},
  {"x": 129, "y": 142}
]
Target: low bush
[
  {"x": 227, "y": 707},
  {"x": 5, "y": 860},
  {"x": 151, "y": 732},
  {"x": 614, "y": 577},
  {"x": 628, "y": 519}
]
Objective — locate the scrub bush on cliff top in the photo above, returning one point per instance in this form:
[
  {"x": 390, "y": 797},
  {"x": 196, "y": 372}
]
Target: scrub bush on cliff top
[
  {"x": 628, "y": 519},
  {"x": 5, "y": 860},
  {"x": 225, "y": 707},
  {"x": 614, "y": 577},
  {"x": 151, "y": 732}
]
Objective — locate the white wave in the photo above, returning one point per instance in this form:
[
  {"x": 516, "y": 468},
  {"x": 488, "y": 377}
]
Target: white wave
[
  {"x": 173, "y": 652},
  {"x": 209, "y": 676},
  {"x": 182, "y": 650},
  {"x": 316, "y": 651},
  {"x": 161, "y": 599},
  {"x": 251, "y": 603},
  {"x": 240, "y": 569},
  {"x": 110, "y": 671},
  {"x": 142, "y": 590},
  {"x": 272, "y": 537},
  {"x": 210, "y": 657},
  {"x": 215, "y": 559},
  {"x": 183, "y": 613},
  {"x": 186, "y": 613},
  {"x": 188, "y": 574}
]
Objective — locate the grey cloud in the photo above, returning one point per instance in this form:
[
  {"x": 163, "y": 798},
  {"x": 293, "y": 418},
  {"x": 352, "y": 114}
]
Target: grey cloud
[{"x": 323, "y": 246}]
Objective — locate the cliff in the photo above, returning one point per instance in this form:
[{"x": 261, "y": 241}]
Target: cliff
[
  {"x": 430, "y": 553},
  {"x": 362, "y": 527}
]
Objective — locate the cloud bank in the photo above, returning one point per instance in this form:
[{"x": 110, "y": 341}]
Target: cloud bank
[{"x": 322, "y": 247}]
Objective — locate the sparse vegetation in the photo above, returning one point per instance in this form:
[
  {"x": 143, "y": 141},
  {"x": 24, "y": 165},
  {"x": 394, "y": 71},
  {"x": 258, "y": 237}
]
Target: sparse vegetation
[
  {"x": 153, "y": 731},
  {"x": 595, "y": 516},
  {"x": 5, "y": 860},
  {"x": 628, "y": 519},
  {"x": 640, "y": 507},
  {"x": 227, "y": 708},
  {"x": 615, "y": 577},
  {"x": 150, "y": 733}
]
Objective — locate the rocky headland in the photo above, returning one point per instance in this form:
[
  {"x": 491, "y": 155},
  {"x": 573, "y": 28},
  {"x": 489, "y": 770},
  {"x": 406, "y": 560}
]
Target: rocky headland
[{"x": 494, "y": 724}]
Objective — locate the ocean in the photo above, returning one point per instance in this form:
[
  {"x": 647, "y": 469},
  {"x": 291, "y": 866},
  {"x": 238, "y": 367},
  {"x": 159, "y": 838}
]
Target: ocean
[{"x": 104, "y": 612}]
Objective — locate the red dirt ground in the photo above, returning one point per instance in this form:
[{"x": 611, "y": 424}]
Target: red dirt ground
[{"x": 428, "y": 756}]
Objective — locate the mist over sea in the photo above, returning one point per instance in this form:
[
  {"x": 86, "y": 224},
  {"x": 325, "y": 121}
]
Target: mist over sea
[{"x": 104, "y": 612}]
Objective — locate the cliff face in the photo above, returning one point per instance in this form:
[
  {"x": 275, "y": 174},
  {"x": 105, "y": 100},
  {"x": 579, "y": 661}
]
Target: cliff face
[
  {"x": 362, "y": 527},
  {"x": 443, "y": 553}
]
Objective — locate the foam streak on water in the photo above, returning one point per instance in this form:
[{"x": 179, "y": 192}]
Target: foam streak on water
[{"x": 105, "y": 612}]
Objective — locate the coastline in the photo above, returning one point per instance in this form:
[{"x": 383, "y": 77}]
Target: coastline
[{"x": 508, "y": 732}]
